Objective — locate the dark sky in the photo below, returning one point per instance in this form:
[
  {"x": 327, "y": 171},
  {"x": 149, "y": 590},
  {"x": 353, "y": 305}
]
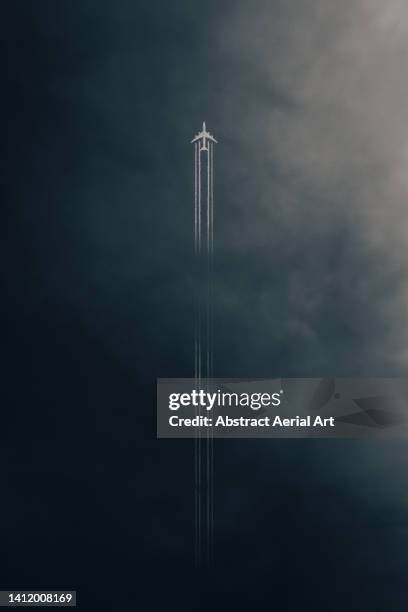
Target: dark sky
[{"x": 100, "y": 101}]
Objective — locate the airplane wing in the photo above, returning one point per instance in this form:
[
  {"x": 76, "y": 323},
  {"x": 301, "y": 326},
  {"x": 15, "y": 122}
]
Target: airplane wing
[
  {"x": 200, "y": 135},
  {"x": 205, "y": 135}
]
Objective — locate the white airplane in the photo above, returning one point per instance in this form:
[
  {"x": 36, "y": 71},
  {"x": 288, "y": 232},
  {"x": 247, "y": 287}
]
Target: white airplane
[{"x": 205, "y": 136}]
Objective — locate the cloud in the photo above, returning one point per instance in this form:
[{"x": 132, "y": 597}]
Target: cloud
[{"x": 319, "y": 92}]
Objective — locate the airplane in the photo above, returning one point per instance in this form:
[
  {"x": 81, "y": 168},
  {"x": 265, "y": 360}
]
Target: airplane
[{"x": 205, "y": 136}]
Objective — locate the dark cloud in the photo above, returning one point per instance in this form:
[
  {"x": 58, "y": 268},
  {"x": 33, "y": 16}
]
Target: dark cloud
[{"x": 100, "y": 101}]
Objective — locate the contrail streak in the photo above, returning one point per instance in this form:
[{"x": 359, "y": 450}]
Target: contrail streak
[{"x": 203, "y": 339}]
